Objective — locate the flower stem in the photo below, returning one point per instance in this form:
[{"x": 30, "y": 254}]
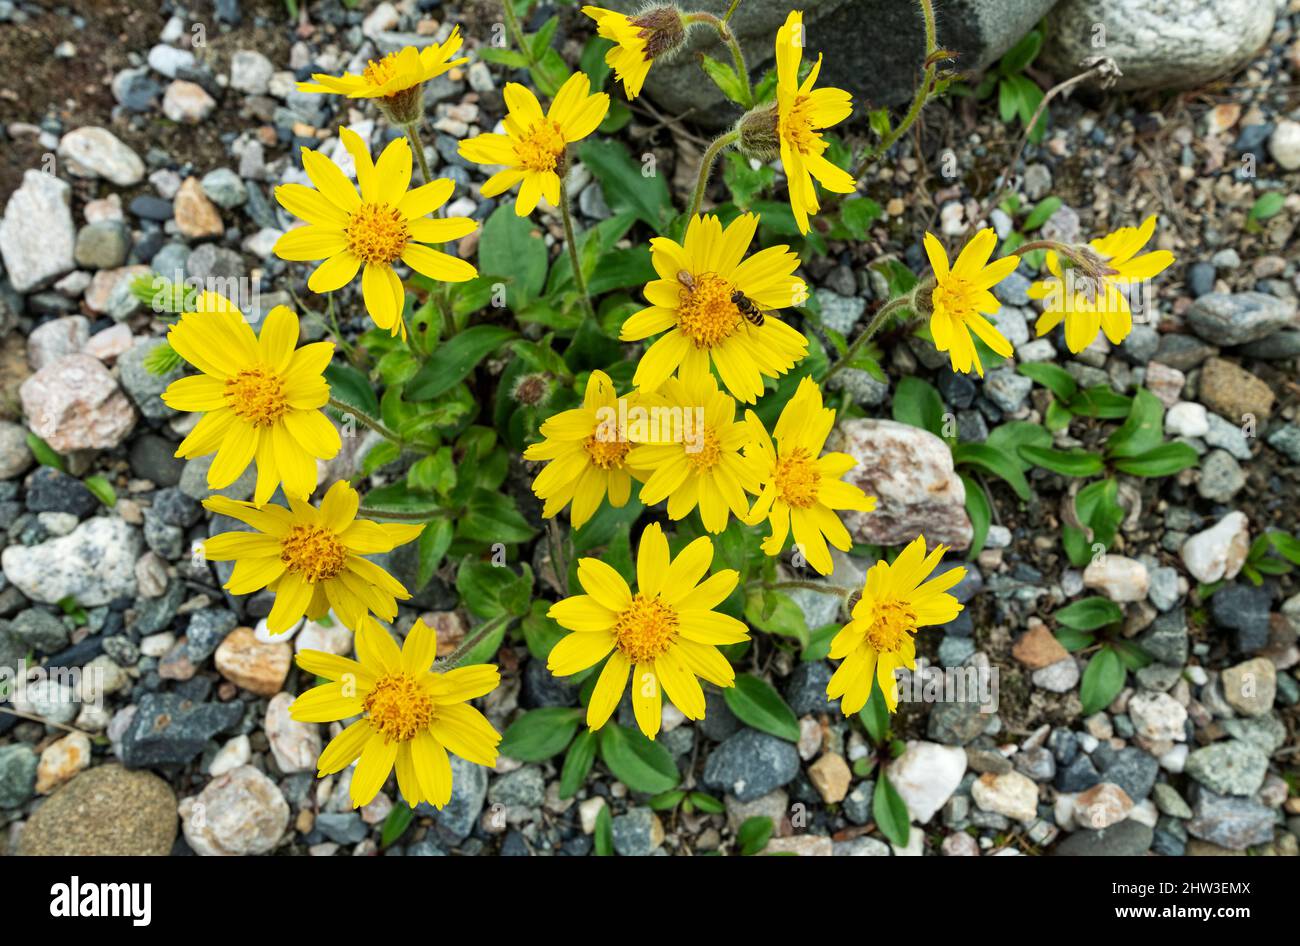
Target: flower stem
[
  {"x": 441, "y": 292},
  {"x": 1081, "y": 256},
  {"x": 399, "y": 515},
  {"x": 512, "y": 23},
  {"x": 413, "y": 135},
  {"x": 366, "y": 420},
  {"x": 823, "y": 587},
  {"x": 918, "y": 98},
  {"x": 571, "y": 242},
  {"x": 706, "y": 167},
  {"x": 727, "y": 36},
  {"x": 886, "y": 310}
]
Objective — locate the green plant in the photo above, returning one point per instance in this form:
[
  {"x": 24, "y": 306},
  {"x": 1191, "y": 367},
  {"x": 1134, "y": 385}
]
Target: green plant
[
  {"x": 1094, "y": 625},
  {"x": 1018, "y": 95}
]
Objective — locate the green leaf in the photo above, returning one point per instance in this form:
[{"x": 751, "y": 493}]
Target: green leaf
[
  {"x": 639, "y": 763},
  {"x": 540, "y": 734},
  {"x": 1013, "y": 435},
  {"x": 45, "y": 454},
  {"x": 776, "y": 612},
  {"x": 917, "y": 402},
  {"x": 505, "y": 57},
  {"x": 162, "y": 359},
  {"x": 1004, "y": 465},
  {"x": 1042, "y": 211},
  {"x": 1098, "y": 508},
  {"x": 395, "y": 825},
  {"x": 454, "y": 359},
  {"x": 490, "y": 591},
  {"x": 351, "y": 387},
  {"x": 1057, "y": 380},
  {"x": 1100, "y": 401},
  {"x": 1008, "y": 100},
  {"x": 745, "y": 182},
  {"x": 1164, "y": 460},
  {"x": 890, "y": 812},
  {"x": 1103, "y": 678},
  {"x": 668, "y": 800},
  {"x": 726, "y": 79},
  {"x": 488, "y": 644},
  {"x": 577, "y": 763},
  {"x": 757, "y": 704},
  {"x": 102, "y": 489},
  {"x": 1058, "y": 417},
  {"x": 1066, "y": 462},
  {"x": 624, "y": 182},
  {"x": 1267, "y": 205},
  {"x": 1088, "y": 614},
  {"x": 1020, "y": 56},
  {"x": 981, "y": 514},
  {"x": 550, "y": 72},
  {"x": 752, "y": 836},
  {"x": 604, "y": 833},
  {"x": 1073, "y": 640},
  {"x": 875, "y": 715},
  {"x": 1142, "y": 431},
  {"x": 706, "y": 803},
  {"x": 492, "y": 517},
  {"x": 511, "y": 248},
  {"x": 431, "y": 548},
  {"x": 857, "y": 216},
  {"x": 593, "y": 61}
]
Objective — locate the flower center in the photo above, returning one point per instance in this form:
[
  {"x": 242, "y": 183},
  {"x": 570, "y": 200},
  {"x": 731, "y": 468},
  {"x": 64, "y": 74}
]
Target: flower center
[
  {"x": 398, "y": 707},
  {"x": 704, "y": 454},
  {"x": 377, "y": 233},
  {"x": 705, "y": 312},
  {"x": 646, "y": 629},
  {"x": 383, "y": 70},
  {"x": 893, "y": 623},
  {"x": 797, "y": 477},
  {"x": 955, "y": 297},
  {"x": 797, "y": 127},
  {"x": 313, "y": 553},
  {"x": 257, "y": 395},
  {"x": 606, "y": 454},
  {"x": 540, "y": 149}
]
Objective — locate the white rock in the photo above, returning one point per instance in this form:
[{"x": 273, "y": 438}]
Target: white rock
[
  {"x": 231, "y": 756},
  {"x": 241, "y": 812},
  {"x": 37, "y": 234},
  {"x": 1187, "y": 419},
  {"x": 335, "y": 639},
  {"x": 1158, "y": 716},
  {"x": 1219, "y": 552},
  {"x": 250, "y": 72},
  {"x": 296, "y": 746},
  {"x": 1119, "y": 578},
  {"x": 1284, "y": 144},
  {"x": 263, "y": 633},
  {"x": 94, "y": 565},
  {"x": 926, "y": 775},
  {"x": 52, "y": 340},
  {"x": 73, "y": 403},
  {"x": 96, "y": 152},
  {"x": 1010, "y": 794}
]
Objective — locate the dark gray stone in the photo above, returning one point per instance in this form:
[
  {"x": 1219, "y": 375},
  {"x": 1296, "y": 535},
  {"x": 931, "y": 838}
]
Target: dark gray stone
[
  {"x": 634, "y": 832},
  {"x": 1166, "y": 638},
  {"x": 169, "y": 729},
  {"x": 1239, "y": 317},
  {"x": 208, "y": 628},
  {"x": 17, "y": 775},
  {"x": 1243, "y": 608},
  {"x": 49, "y": 490},
  {"x": 1125, "y": 839},
  {"x": 40, "y": 630},
  {"x": 1132, "y": 770},
  {"x": 750, "y": 764},
  {"x": 1234, "y": 823},
  {"x": 805, "y": 691}
]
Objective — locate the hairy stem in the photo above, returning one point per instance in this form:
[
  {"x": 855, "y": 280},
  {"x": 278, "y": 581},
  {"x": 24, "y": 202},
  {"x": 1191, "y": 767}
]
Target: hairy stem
[
  {"x": 366, "y": 420},
  {"x": 823, "y": 587},
  {"x": 413, "y": 135},
  {"x": 398, "y": 515},
  {"x": 476, "y": 637},
  {"x": 706, "y": 167},
  {"x": 727, "y": 36},
  {"x": 885, "y": 311},
  {"x": 566, "y": 212},
  {"x": 512, "y": 23}
]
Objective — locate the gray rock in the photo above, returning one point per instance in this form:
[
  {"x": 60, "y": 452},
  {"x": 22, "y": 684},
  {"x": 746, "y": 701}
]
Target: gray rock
[
  {"x": 168, "y": 728},
  {"x": 1226, "y": 436},
  {"x": 469, "y": 784},
  {"x": 1078, "y": 775},
  {"x": 1014, "y": 289},
  {"x": 1166, "y": 638},
  {"x": 208, "y": 628},
  {"x": 1221, "y": 477},
  {"x": 1123, "y": 839},
  {"x": 93, "y": 565},
  {"x": 40, "y": 630},
  {"x": 1231, "y": 767},
  {"x": 96, "y": 152},
  {"x": 103, "y": 244},
  {"x": 522, "y": 788},
  {"x": 1158, "y": 44},
  {"x": 1286, "y": 440},
  {"x": 342, "y": 827},
  {"x": 36, "y": 234},
  {"x": 50, "y": 490},
  {"x": 1132, "y": 770},
  {"x": 1243, "y": 608},
  {"x": 224, "y": 188},
  {"x": 839, "y": 312},
  {"x": 145, "y": 387},
  {"x": 1266, "y": 733},
  {"x": 1237, "y": 318},
  {"x": 1141, "y": 345},
  {"x": 15, "y": 456},
  {"x": 634, "y": 832},
  {"x": 750, "y": 764},
  {"x": 1234, "y": 823},
  {"x": 1170, "y": 802},
  {"x": 956, "y": 723},
  {"x": 194, "y": 481},
  {"x": 980, "y": 31},
  {"x": 1277, "y": 347},
  {"x": 17, "y": 775},
  {"x": 170, "y": 61},
  {"x": 857, "y": 805},
  {"x": 250, "y": 72},
  {"x": 805, "y": 690},
  {"x": 1007, "y": 389}
]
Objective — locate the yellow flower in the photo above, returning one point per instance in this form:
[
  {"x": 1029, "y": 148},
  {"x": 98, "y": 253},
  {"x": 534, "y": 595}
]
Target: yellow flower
[
  {"x": 801, "y": 488},
  {"x": 395, "y": 80},
  {"x": 383, "y": 224},
  {"x": 587, "y": 454},
  {"x": 878, "y": 640},
  {"x": 311, "y": 558},
  {"x": 667, "y": 633},
  {"x": 260, "y": 399},
  {"x": 1091, "y": 304},
  {"x": 531, "y": 152},
  {"x": 694, "y": 449},
  {"x": 639, "y": 40},
  {"x": 961, "y": 294},
  {"x": 702, "y": 286},
  {"x": 802, "y": 111},
  {"x": 411, "y": 716}
]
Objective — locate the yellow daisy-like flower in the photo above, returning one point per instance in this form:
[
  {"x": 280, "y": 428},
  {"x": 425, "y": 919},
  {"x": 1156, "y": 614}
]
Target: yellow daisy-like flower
[
  {"x": 411, "y": 716},
  {"x": 961, "y": 294},
  {"x": 639, "y": 41},
  {"x": 311, "y": 558},
  {"x": 395, "y": 80},
  {"x": 666, "y": 634},
  {"x": 801, "y": 488},
  {"x": 377, "y": 227},
  {"x": 261, "y": 399},
  {"x": 693, "y": 446},
  {"x": 531, "y": 152},
  {"x": 587, "y": 453},
  {"x": 802, "y": 112},
  {"x": 717, "y": 306},
  {"x": 1089, "y": 305},
  {"x": 896, "y": 600}
]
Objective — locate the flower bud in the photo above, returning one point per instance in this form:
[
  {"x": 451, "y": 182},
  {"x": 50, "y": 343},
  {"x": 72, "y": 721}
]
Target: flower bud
[
  {"x": 405, "y": 107},
  {"x": 662, "y": 30},
  {"x": 532, "y": 390},
  {"x": 760, "y": 134}
]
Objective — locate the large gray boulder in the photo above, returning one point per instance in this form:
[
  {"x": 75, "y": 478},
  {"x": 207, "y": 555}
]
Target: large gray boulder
[
  {"x": 872, "y": 48},
  {"x": 1158, "y": 44}
]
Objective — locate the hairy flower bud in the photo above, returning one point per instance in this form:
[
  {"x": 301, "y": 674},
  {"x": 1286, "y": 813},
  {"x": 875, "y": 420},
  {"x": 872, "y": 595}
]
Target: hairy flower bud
[
  {"x": 663, "y": 31},
  {"x": 759, "y": 131},
  {"x": 405, "y": 107},
  {"x": 532, "y": 390}
]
